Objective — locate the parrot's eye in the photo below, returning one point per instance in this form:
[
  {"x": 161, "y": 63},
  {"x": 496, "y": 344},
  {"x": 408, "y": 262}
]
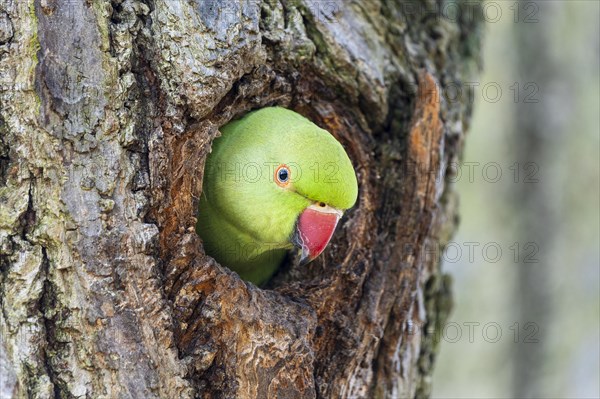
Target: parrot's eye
[{"x": 282, "y": 175}]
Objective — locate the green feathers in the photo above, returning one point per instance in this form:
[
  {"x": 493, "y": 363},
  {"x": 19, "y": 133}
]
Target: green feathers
[{"x": 262, "y": 174}]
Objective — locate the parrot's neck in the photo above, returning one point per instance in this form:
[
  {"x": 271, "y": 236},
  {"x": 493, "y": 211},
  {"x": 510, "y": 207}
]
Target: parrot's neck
[{"x": 232, "y": 247}]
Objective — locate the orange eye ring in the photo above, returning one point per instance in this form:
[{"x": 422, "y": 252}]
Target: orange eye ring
[{"x": 282, "y": 175}]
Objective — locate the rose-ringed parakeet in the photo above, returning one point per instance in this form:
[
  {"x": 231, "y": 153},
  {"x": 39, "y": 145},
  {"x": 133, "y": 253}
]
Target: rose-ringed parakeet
[{"x": 273, "y": 180}]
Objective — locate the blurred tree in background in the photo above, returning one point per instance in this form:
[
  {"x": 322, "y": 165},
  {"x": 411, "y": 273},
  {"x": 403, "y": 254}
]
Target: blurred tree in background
[{"x": 542, "y": 133}]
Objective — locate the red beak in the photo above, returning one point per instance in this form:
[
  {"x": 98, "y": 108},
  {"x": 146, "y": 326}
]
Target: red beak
[{"x": 314, "y": 229}]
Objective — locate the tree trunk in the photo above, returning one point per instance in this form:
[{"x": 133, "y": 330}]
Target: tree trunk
[
  {"x": 108, "y": 110},
  {"x": 536, "y": 143}
]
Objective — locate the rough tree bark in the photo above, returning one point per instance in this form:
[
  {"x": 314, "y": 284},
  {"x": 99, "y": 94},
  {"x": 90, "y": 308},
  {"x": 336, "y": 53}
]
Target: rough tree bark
[{"x": 108, "y": 109}]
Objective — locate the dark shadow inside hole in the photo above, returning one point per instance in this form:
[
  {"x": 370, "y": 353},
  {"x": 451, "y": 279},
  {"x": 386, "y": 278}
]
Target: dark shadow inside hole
[{"x": 282, "y": 275}]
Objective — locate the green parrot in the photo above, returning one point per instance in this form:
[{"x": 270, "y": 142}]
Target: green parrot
[{"x": 274, "y": 180}]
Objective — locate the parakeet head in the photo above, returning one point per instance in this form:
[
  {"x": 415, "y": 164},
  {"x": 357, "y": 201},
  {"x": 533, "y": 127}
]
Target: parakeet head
[{"x": 280, "y": 180}]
